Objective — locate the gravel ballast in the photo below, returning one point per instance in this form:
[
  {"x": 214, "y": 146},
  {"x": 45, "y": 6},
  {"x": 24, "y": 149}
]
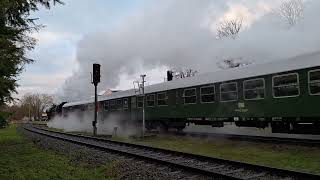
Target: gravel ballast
[{"x": 122, "y": 166}]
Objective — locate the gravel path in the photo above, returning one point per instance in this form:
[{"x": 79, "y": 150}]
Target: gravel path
[{"x": 122, "y": 167}]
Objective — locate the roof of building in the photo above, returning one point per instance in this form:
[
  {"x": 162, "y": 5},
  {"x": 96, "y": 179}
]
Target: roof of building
[{"x": 298, "y": 62}]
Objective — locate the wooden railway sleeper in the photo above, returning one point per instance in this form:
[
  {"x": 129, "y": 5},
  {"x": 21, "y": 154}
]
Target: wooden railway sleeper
[
  {"x": 211, "y": 168},
  {"x": 255, "y": 176},
  {"x": 174, "y": 172},
  {"x": 202, "y": 164},
  {"x": 235, "y": 171}
]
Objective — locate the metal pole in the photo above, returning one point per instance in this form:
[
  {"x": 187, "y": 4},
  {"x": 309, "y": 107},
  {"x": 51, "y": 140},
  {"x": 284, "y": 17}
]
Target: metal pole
[
  {"x": 95, "y": 111},
  {"x": 143, "y": 106},
  {"x": 29, "y": 112},
  {"x": 95, "y": 80}
]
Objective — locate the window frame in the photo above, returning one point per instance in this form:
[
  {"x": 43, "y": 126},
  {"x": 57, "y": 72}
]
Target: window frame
[
  {"x": 244, "y": 89},
  {"x": 309, "y": 82},
  {"x": 214, "y": 94},
  {"x": 114, "y": 103},
  {"x": 133, "y": 102},
  {"x": 140, "y": 101},
  {"x": 119, "y": 108},
  {"x": 91, "y": 106},
  {"x": 154, "y": 100},
  {"x": 104, "y": 105},
  {"x": 166, "y": 99},
  {"x": 125, "y": 107},
  {"x": 237, "y": 90},
  {"x": 184, "y": 100},
  {"x": 288, "y": 74}
]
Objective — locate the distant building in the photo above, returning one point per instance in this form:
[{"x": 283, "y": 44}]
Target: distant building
[{"x": 107, "y": 92}]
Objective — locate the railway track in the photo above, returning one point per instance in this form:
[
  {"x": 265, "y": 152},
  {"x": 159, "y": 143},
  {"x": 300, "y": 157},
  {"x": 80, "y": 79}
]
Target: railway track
[
  {"x": 213, "y": 167},
  {"x": 266, "y": 139}
]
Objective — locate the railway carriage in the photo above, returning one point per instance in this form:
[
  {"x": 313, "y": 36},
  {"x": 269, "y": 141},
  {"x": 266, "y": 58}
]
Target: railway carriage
[{"x": 283, "y": 94}]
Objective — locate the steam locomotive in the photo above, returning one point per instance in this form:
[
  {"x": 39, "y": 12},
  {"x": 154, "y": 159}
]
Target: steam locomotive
[{"x": 283, "y": 95}]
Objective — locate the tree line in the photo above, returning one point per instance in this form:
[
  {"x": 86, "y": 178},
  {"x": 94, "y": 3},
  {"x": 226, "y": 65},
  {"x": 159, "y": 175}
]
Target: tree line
[
  {"x": 30, "y": 107},
  {"x": 16, "y": 26}
]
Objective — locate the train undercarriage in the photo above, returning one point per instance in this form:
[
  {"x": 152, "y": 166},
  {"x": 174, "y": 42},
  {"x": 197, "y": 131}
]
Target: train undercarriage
[{"x": 277, "y": 125}]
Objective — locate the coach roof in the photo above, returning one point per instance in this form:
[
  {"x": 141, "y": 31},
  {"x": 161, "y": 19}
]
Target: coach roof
[{"x": 295, "y": 63}]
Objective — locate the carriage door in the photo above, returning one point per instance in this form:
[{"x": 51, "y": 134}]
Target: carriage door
[{"x": 133, "y": 107}]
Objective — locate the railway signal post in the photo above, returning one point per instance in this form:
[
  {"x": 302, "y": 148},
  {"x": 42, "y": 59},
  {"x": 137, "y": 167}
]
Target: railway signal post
[
  {"x": 95, "y": 81},
  {"x": 143, "y": 104}
]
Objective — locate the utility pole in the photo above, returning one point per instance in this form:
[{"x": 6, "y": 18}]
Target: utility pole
[
  {"x": 143, "y": 104},
  {"x": 29, "y": 112},
  {"x": 95, "y": 81}
]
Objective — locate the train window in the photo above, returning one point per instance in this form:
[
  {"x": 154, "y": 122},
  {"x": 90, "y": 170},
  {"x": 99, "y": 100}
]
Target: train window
[
  {"x": 106, "y": 105},
  {"x": 314, "y": 82},
  {"x": 150, "y": 100},
  {"x": 207, "y": 94},
  {"x": 82, "y": 107},
  {"x": 133, "y": 102},
  {"x": 140, "y": 102},
  {"x": 125, "y": 103},
  {"x": 119, "y": 104},
  {"x": 91, "y": 106},
  {"x": 254, "y": 89},
  {"x": 286, "y": 85},
  {"x": 190, "y": 96},
  {"x": 162, "y": 99},
  {"x": 228, "y": 92},
  {"x": 113, "y": 104}
]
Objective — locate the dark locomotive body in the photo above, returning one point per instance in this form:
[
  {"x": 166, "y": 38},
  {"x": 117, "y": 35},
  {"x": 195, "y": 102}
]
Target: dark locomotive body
[{"x": 284, "y": 95}]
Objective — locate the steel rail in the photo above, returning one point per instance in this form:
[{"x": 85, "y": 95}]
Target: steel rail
[
  {"x": 164, "y": 162},
  {"x": 253, "y": 138},
  {"x": 205, "y": 171}
]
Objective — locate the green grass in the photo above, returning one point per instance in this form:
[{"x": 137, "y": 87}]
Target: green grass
[
  {"x": 292, "y": 157},
  {"x": 39, "y": 122},
  {"x": 20, "y": 159}
]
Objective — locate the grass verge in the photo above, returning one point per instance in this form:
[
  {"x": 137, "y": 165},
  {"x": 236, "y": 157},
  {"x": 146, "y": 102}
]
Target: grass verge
[
  {"x": 39, "y": 122},
  {"x": 293, "y": 157},
  {"x": 20, "y": 159}
]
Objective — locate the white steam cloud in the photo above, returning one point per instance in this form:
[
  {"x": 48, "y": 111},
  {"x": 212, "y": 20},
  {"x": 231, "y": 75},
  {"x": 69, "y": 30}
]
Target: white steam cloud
[
  {"x": 176, "y": 33},
  {"x": 82, "y": 122}
]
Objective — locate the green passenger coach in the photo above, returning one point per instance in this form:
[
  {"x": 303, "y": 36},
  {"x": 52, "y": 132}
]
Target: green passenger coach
[{"x": 283, "y": 95}]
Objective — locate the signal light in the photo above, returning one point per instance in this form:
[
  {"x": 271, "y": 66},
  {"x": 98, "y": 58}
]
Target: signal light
[
  {"x": 96, "y": 73},
  {"x": 169, "y": 75}
]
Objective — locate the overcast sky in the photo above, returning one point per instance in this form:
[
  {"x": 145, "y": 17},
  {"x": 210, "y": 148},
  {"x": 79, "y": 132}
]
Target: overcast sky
[
  {"x": 55, "y": 53},
  {"x": 131, "y": 37}
]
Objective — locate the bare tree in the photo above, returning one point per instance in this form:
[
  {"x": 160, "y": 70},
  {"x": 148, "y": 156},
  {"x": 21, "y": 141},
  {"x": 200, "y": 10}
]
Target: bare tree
[
  {"x": 229, "y": 28},
  {"x": 34, "y": 105},
  {"x": 46, "y": 102},
  {"x": 232, "y": 63},
  {"x": 291, "y": 11},
  {"x": 183, "y": 73}
]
